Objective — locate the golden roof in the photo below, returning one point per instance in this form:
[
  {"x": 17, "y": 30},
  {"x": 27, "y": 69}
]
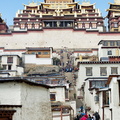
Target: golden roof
[
  {"x": 114, "y": 3},
  {"x": 117, "y": 1},
  {"x": 113, "y": 10},
  {"x": 58, "y": 6},
  {"x": 87, "y": 4},
  {"x": 33, "y": 4}
]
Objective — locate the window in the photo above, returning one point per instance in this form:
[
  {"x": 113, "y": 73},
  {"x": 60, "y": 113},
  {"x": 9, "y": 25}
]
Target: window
[
  {"x": 65, "y": 110},
  {"x": 98, "y": 83},
  {"x": 112, "y": 43},
  {"x": 103, "y": 71},
  {"x": 22, "y": 26},
  {"x": 115, "y": 30},
  {"x": 36, "y": 26},
  {"x": 52, "y": 96},
  {"x": 29, "y": 26},
  {"x": 88, "y": 71},
  {"x": 87, "y": 25},
  {"x": 4, "y": 67},
  {"x": 39, "y": 53},
  {"x": 33, "y": 53},
  {"x": 109, "y": 52},
  {"x": 94, "y": 25},
  {"x": 114, "y": 70},
  {"x": 105, "y": 97},
  {"x": 115, "y": 25},
  {"x": 105, "y": 43},
  {"x": 80, "y": 25},
  {"x": 9, "y": 67},
  {"x": 46, "y": 53},
  {"x": 10, "y": 60},
  {"x": 66, "y": 94}
]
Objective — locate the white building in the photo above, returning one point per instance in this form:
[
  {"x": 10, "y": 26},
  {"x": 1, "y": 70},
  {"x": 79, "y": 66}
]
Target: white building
[
  {"x": 38, "y": 56},
  {"x": 112, "y": 97},
  {"x": 62, "y": 107},
  {"x": 93, "y": 71},
  {"x": 108, "y": 48},
  {"x": 21, "y": 99},
  {"x": 106, "y": 100},
  {"x": 96, "y": 69},
  {"x": 11, "y": 64}
]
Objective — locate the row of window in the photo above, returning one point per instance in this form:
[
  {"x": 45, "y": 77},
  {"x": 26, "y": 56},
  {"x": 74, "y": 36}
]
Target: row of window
[
  {"x": 98, "y": 83},
  {"x": 111, "y": 43},
  {"x": 30, "y": 26},
  {"x": 103, "y": 71},
  {"x": 7, "y": 67},
  {"x": 40, "y": 53},
  {"x": 87, "y": 25}
]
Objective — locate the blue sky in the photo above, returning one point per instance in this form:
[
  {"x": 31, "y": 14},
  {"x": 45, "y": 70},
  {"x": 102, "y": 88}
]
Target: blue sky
[{"x": 8, "y": 8}]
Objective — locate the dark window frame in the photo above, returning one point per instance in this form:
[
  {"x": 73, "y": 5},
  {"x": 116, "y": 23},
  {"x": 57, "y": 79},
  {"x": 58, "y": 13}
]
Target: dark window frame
[
  {"x": 9, "y": 59},
  {"x": 53, "y": 96},
  {"x": 103, "y": 71},
  {"x": 89, "y": 71},
  {"x": 114, "y": 70}
]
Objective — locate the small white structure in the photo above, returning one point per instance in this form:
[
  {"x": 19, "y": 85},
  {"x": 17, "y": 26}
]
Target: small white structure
[
  {"x": 108, "y": 48},
  {"x": 11, "y": 64},
  {"x": 38, "y": 56},
  {"x": 25, "y": 99},
  {"x": 61, "y": 107}
]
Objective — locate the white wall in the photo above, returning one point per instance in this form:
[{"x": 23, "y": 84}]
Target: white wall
[
  {"x": 59, "y": 92},
  {"x": 35, "y": 103},
  {"x": 114, "y": 102},
  {"x": 55, "y": 38},
  {"x": 104, "y": 52},
  {"x": 35, "y": 100},
  {"x": 10, "y": 93},
  {"x": 31, "y": 59}
]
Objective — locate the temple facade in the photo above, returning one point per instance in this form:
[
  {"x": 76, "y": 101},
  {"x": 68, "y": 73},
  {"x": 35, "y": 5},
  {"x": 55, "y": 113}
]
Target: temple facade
[
  {"x": 59, "y": 14},
  {"x": 3, "y": 26},
  {"x": 114, "y": 16}
]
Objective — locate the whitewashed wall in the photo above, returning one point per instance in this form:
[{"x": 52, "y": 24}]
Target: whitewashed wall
[
  {"x": 35, "y": 103},
  {"x": 104, "y": 52},
  {"x": 10, "y": 93},
  {"x": 114, "y": 102},
  {"x": 31, "y": 59},
  {"x": 35, "y": 100},
  {"x": 56, "y": 38},
  {"x": 59, "y": 92}
]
